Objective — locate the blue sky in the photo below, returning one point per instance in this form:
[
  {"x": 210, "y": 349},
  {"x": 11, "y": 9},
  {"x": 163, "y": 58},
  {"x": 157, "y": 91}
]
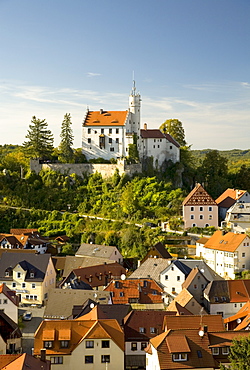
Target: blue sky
[{"x": 190, "y": 60}]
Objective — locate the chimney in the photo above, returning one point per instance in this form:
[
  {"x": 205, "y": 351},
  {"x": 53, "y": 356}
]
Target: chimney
[
  {"x": 101, "y": 111},
  {"x": 145, "y": 126},
  {"x": 43, "y": 354}
]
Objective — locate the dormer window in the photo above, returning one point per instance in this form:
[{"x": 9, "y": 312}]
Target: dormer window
[
  {"x": 64, "y": 343},
  {"x": 48, "y": 344},
  {"x": 32, "y": 275},
  {"x": 180, "y": 357},
  {"x": 141, "y": 330},
  {"x": 7, "y": 273}
]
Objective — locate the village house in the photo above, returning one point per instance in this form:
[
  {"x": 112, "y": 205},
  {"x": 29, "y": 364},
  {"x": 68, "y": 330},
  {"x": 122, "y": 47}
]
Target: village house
[
  {"x": 10, "y": 335},
  {"x": 199, "y": 209},
  {"x": 61, "y": 302},
  {"x": 144, "y": 291},
  {"x": 99, "y": 251},
  {"x": 9, "y": 302},
  {"x": 238, "y": 217},
  {"x": 191, "y": 342},
  {"x": 73, "y": 344},
  {"x": 229, "y": 198},
  {"x": 226, "y": 297},
  {"x": 30, "y": 275},
  {"x": 226, "y": 253},
  {"x": 139, "y": 327},
  {"x": 240, "y": 320},
  {"x": 29, "y": 239},
  {"x": 97, "y": 276},
  {"x": 24, "y": 361}
]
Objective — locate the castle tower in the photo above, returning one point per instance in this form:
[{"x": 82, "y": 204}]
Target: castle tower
[{"x": 134, "y": 122}]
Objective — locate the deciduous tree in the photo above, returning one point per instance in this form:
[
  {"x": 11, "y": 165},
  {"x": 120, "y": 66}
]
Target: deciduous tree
[{"x": 175, "y": 128}]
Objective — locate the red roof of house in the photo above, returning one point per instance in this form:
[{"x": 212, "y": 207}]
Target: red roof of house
[
  {"x": 198, "y": 196},
  {"x": 105, "y": 118}
]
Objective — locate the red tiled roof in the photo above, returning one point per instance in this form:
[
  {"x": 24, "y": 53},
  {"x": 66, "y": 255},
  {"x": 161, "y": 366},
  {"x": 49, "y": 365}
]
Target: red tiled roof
[
  {"x": 158, "y": 134},
  {"x": 228, "y": 198},
  {"x": 105, "y": 118},
  {"x": 228, "y": 242}
]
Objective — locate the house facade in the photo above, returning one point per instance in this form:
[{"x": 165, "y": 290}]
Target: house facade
[
  {"x": 30, "y": 275},
  {"x": 238, "y": 217},
  {"x": 229, "y": 198},
  {"x": 226, "y": 253},
  {"x": 9, "y": 302},
  {"x": 75, "y": 344},
  {"x": 199, "y": 209}
]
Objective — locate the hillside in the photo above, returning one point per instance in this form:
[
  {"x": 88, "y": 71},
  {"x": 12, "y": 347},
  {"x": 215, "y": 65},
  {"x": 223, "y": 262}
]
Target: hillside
[{"x": 236, "y": 157}]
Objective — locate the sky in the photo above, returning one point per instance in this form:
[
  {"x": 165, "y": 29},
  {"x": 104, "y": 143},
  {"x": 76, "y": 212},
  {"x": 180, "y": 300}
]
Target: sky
[{"x": 189, "y": 58}]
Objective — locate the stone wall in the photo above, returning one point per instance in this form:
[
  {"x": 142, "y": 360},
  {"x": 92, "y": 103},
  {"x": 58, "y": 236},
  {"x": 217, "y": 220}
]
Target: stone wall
[{"x": 81, "y": 169}]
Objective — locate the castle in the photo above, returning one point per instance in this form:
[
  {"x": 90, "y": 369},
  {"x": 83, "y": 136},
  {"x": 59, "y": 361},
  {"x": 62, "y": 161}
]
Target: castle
[{"x": 107, "y": 134}]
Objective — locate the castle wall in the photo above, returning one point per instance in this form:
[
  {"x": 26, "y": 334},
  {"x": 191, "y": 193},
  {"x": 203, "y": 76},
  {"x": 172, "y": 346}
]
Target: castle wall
[{"x": 83, "y": 169}]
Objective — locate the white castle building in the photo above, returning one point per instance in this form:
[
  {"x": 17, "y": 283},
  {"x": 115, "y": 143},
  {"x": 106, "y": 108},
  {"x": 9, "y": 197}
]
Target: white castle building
[{"x": 107, "y": 134}]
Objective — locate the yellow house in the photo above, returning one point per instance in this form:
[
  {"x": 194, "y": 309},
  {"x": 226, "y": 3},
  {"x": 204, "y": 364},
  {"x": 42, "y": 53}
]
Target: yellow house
[
  {"x": 77, "y": 344},
  {"x": 30, "y": 275}
]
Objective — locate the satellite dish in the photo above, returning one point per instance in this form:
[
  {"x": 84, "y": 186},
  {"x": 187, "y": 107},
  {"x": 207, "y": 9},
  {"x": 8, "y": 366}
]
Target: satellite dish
[
  {"x": 201, "y": 333},
  {"x": 202, "y": 270},
  {"x": 238, "y": 321},
  {"x": 123, "y": 276},
  {"x": 92, "y": 305}
]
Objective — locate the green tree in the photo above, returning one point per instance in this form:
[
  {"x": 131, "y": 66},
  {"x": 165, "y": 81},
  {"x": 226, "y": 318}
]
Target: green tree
[
  {"x": 213, "y": 172},
  {"x": 174, "y": 128},
  {"x": 66, "y": 152},
  {"x": 133, "y": 154},
  {"x": 239, "y": 354},
  {"x": 40, "y": 139}
]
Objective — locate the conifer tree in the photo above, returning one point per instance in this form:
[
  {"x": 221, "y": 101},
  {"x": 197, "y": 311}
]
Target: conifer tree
[
  {"x": 66, "y": 152},
  {"x": 40, "y": 139}
]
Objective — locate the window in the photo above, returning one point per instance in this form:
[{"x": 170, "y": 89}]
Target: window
[
  {"x": 117, "y": 285},
  {"x": 220, "y": 313},
  {"x": 105, "y": 343},
  {"x": 192, "y": 217},
  {"x": 133, "y": 346},
  {"x": 33, "y": 286},
  {"x": 89, "y": 344},
  {"x": 110, "y": 130},
  {"x": 173, "y": 289},
  {"x": 112, "y": 149},
  {"x": 243, "y": 266},
  {"x": 215, "y": 351},
  {"x": 178, "y": 278},
  {"x": 199, "y": 354},
  {"x": 145, "y": 283},
  {"x": 195, "y": 286},
  {"x": 105, "y": 358},
  {"x": 210, "y": 209},
  {"x": 5, "y": 301},
  {"x": 170, "y": 147},
  {"x": 110, "y": 140},
  {"x": 154, "y": 292},
  {"x": 48, "y": 344},
  {"x": 192, "y": 209},
  {"x": 13, "y": 285},
  {"x": 64, "y": 343},
  {"x": 225, "y": 350},
  {"x": 89, "y": 359},
  {"x": 56, "y": 360},
  {"x": 201, "y": 217},
  {"x": 117, "y": 130},
  {"x": 152, "y": 330},
  {"x": 18, "y": 275},
  {"x": 166, "y": 277},
  {"x": 89, "y": 130},
  {"x": 243, "y": 254},
  {"x": 143, "y": 345},
  {"x": 117, "y": 140},
  {"x": 102, "y": 130},
  {"x": 180, "y": 357},
  {"x": 7, "y": 274},
  {"x": 23, "y": 285},
  {"x": 89, "y": 140},
  {"x": 141, "y": 330},
  {"x": 201, "y": 209},
  {"x": 32, "y": 275}
]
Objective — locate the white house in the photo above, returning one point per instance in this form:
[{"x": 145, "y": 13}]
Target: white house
[
  {"x": 9, "y": 302},
  {"x": 226, "y": 253},
  {"x": 238, "y": 217}
]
